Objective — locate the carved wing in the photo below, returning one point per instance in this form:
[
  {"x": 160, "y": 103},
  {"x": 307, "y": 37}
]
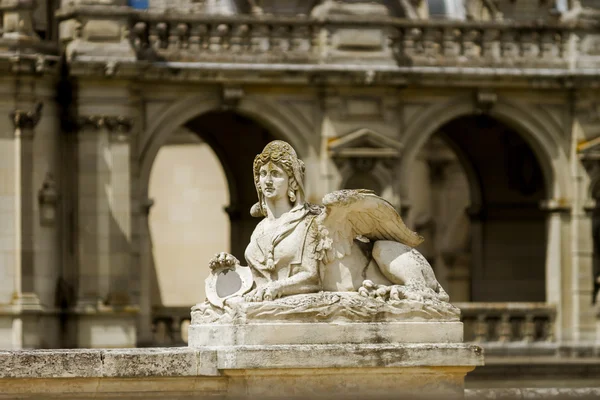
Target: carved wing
[{"x": 353, "y": 213}]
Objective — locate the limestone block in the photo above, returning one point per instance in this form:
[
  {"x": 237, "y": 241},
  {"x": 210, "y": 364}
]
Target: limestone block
[
  {"x": 154, "y": 362},
  {"x": 324, "y": 333},
  {"x": 244, "y": 371}
]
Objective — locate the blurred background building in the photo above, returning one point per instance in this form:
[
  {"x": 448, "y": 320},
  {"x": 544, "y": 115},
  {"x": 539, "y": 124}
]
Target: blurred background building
[{"x": 129, "y": 131}]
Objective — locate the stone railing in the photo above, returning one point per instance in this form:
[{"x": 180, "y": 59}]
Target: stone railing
[
  {"x": 239, "y": 39},
  {"x": 170, "y": 326},
  {"x": 484, "y": 323},
  {"x": 391, "y": 42},
  {"x": 403, "y": 42},
  {"x": 504, "y": 323}
]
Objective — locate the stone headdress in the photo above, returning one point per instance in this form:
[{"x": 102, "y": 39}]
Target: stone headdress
[{"x": 281, "y": 153}]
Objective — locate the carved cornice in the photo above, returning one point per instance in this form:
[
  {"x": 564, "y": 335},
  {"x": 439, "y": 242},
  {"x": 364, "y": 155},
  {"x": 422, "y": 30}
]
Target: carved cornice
[
  {"x": 114, "y": 124},
  {"x": 25, "y": 121}
]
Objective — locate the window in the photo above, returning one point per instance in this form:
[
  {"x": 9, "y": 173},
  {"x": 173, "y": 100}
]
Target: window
[{"x": 453, "y": 9}]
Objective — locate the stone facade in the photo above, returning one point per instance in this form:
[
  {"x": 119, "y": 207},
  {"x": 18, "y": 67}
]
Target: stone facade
[{"x": 498, "y": 113}]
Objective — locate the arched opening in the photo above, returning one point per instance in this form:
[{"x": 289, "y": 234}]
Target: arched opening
[
  {"x": 479, "y": 209},
  {"x": 202, "y": 189},
  {"x": 189, "y": 189}
]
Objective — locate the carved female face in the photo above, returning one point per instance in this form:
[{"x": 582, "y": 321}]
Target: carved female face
[{"x": 273, "y": 181}]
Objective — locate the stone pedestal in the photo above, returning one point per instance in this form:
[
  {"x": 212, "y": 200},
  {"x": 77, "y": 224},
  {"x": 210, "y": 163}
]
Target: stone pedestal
[{"x": 334, "y": 345}]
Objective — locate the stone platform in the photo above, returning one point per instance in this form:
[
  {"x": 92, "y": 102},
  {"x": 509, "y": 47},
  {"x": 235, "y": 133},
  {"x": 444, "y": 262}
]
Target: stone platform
[
  {"x": 366, "y": 371},
  {"x": 290, "y": 333}
]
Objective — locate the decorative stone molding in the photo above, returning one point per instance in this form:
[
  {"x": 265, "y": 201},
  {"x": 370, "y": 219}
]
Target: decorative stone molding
[
  {"x": 25, "y": 121},
  {"x": 365, "y": 143},
  {"x": 484, "y": 101},
  {"x": 232, "y": 95},
  {"x": 555, "y": 206},
  {"x": 119, "y": 124}
]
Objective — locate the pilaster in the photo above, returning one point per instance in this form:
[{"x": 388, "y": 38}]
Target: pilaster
[
  {"x": 96, "y": 29},
  {"x": 24, "y": 121},
  {"x": 106, "y": 316}
]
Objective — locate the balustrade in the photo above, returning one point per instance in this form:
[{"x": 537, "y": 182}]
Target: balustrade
[
  {"x": 227, "y": 40},
  {"x": 305, "y": 40},
  {"x": 170, "y": 326},
  {"x": 508, "y": 322},
  {"x": 484, "y": 323}
]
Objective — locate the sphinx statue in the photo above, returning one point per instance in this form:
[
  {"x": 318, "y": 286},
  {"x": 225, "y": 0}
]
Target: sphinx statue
[{"x": 352, "y": 256}]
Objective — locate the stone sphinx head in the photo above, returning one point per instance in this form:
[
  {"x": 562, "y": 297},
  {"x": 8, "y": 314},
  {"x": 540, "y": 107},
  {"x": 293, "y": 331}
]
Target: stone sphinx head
[{"x": 282, "y": 155}]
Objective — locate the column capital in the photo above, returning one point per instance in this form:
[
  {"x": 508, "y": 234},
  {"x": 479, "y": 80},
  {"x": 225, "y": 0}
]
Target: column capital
[
  {"x": 118, "y": 124},
  {"x": 556, "y": 206},
  {"x": 24, "y": 120}
]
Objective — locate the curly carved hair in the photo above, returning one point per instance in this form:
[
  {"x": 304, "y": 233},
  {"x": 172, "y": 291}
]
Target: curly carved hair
[{"x": 282, "y": 154}]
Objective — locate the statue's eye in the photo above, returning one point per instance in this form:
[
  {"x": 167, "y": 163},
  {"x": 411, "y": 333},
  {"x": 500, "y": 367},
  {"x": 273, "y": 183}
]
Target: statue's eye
[
  {"x": 276, "y": 174},
  {"x": 263, "y": 173}
]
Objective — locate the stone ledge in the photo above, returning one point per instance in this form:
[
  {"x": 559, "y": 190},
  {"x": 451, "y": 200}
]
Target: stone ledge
[
  {"x": 212, "y": 361},
  {"x": 533, "y": 393},
  {"x": 201, "y": 335}
]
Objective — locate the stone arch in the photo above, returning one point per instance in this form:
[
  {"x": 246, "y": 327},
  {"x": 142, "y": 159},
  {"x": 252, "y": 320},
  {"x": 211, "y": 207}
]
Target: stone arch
[
  {"x": 279, "y": 119},
  {"x": 541, "y": 135}
]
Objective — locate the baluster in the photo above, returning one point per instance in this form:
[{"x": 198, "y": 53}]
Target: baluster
[
  {"x": 412, "y": 45},
  {"x": 280, "y": 38},
  {"x": 174, "y": 39},
  {"x": 162, "y": 30},
  {"x": 140, "y": 35},
  {"x": 160, "y": 332},
  {"x": 184, "y": 35},
  {"x": 481, "y": 328},
  {"x": 239, "y": 36},
  {"x": 153, "y": 37},
  {"x": 184, "y": 328},
  {"x": 451, "y": 43},
  {"x": 550, "y": 327},
  {"x": 491, "y": 44},
  {"x": 471, "y": 47},
  {"x": 510, "y": 47},
  {"x": 529, "y": 45},
  {"x": 549, "y": 49},
  {"x": 175, "y": 330},
  {"x": 301, "y": 38},
  {"x": 529, "y": 328},
  {"x": 218, "y": 38},
  {"x": 259, "y": 38},
  {"x": 195, "y": 38},
  {"x": 431, "y": 47},
  {"x": 504, "y": 328}
]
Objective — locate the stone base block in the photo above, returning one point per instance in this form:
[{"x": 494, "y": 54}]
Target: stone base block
[
  {"x": 106, "y": 331},
  {"x": 375, "y": 371},
  {"x": 324, "y": 333}
]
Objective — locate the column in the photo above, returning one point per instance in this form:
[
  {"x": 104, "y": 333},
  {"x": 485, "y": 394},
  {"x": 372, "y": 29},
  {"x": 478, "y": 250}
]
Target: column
[
  {"x": 24, "y": 258},
  {"x": 18, "y": 263},
  {"x": 558, "y": 217},
  {"x": 106, "y": 317}
]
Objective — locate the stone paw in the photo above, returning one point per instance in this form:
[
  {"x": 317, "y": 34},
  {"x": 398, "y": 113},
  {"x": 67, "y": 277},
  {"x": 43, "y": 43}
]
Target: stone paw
[{"x": 374, "y": 291}]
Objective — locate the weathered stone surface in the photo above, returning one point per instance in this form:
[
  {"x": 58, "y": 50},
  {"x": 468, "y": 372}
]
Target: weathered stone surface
[
  {"x": 51, "y": 364},
  {"x": 240, "y": 371},
  {"x": 324, "y": 333},
  {"x": 132, "y": 363},
  {"x": 326, "y": 307}
]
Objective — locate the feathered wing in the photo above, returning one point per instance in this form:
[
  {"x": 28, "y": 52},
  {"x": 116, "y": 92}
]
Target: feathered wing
[{"x": 352, "y": 213}]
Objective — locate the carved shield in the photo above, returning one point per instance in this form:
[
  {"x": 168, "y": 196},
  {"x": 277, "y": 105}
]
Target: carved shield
[{"x": 226, "y": 282}]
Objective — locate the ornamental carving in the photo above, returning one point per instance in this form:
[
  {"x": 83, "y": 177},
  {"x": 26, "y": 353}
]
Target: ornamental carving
[
  {"x": 117, "y": 124},
  {"x": 27, "y": 120}
]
